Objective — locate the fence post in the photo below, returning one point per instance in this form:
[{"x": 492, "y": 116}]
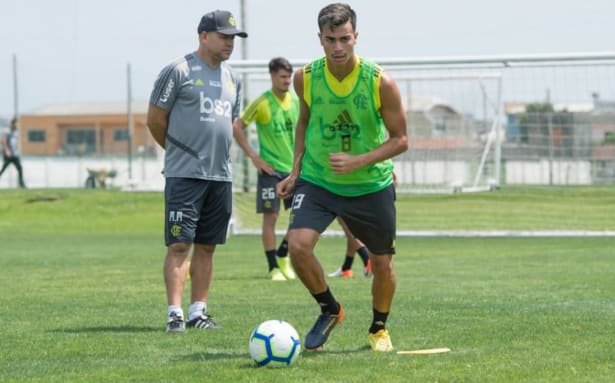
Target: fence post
[{"x": 550, "y": 143}]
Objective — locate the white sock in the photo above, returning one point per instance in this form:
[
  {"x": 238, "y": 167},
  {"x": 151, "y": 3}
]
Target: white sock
[
  {"x": 196, "y": 309},
  {"x": 176, "y": 309}
]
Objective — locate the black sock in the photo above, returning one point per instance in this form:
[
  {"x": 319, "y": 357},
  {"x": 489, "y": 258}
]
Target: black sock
[
  {"x": 273, "y": 263},
  {"x": 347, "y": 263},
  {"x": 379, "y": 321},
  {"x": 326, "y": 302},
  {"x": 283, "y": 249},
  {"x": 363, "y": 254}
]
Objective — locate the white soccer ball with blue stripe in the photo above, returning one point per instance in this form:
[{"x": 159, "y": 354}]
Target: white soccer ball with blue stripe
[{"x": 274, "y": 343}]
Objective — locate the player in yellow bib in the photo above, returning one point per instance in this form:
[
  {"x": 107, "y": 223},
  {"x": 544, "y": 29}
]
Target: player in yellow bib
[
  {"x": 351, "y": 123},
  {"x": 275, "y": 113}
]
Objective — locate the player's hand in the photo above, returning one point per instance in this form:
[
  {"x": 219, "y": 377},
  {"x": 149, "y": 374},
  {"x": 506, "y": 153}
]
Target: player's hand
[
  {"x": 342, "y": 163},
  {"x": 263, "y": 166},
  {"x": 284, "y": 188}
]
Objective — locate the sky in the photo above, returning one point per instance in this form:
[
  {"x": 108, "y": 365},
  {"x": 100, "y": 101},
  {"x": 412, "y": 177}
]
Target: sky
[{"x": 79, "y": 50}]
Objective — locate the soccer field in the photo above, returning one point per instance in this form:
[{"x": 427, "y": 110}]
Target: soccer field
[{"x": 83, "y": 300}]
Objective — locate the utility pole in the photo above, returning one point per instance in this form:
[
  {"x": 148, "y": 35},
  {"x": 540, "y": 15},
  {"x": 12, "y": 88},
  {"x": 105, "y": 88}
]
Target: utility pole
[
  {"x": 129, "y": 115},
  {"x": 244, "y": 56},
  {"x": 15, "y": 88}
]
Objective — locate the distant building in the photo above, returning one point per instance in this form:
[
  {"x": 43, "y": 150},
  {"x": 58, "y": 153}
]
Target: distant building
[
  {"x": 580, "y": 132},
  {"x": 562, "y": 130},
  {"x": 431, "y": 117},
  {"x": 85, "y": 129},
  {"x": 435, "y": 126}
]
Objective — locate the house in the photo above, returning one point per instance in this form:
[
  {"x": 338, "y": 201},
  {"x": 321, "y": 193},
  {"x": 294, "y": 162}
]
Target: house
[
  {"x": 85, "y": 129},
  {"x": 434, "y": 127},
  {"x": 445, "y": 147},
  {"x": 431, "y": 117}
]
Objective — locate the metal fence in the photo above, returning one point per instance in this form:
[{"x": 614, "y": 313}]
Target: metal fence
[{"x": 495, "y": 120}]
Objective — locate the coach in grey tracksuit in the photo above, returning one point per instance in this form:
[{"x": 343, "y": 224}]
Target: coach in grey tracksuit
[{"x": 192, "y": 107}]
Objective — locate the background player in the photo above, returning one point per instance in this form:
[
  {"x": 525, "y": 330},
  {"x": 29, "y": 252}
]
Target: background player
[{"x": 275, "y": 113}]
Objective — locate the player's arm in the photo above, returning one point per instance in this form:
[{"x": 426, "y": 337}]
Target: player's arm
[
  {"x": 158, "y": 123},
  {"x": 285, "y": 187},
  {"x": 302, "y": 124},
  {"x": 394, "y": 117},
  {"x": 238, "y": 133}
]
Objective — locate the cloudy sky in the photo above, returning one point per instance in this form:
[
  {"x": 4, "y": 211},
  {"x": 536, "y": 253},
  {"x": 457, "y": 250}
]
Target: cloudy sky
[{"x": 78, "y": 50}]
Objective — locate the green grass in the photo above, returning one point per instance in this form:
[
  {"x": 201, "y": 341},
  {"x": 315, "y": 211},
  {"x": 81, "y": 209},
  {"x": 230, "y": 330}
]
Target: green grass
[
  {"x": 83, "y": 300},
  {"x": 569, "y": 208}
]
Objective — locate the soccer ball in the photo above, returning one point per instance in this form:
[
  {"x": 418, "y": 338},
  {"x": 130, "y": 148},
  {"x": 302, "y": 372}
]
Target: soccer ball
[{"x": 274, "y": 343}]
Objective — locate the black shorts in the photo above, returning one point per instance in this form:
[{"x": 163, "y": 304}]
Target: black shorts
[
  {"x": 266, "y": 200},
  {"x": 196, "y": 211},
  {"x": 371, "y": 217}
]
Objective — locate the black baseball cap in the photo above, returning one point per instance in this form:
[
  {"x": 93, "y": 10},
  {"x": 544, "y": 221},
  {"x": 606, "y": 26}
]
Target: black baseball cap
[{"x": 220, "y": 21}]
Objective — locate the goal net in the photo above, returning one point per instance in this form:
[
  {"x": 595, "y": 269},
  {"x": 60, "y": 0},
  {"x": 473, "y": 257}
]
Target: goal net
[{"x": 454, "y": 130}]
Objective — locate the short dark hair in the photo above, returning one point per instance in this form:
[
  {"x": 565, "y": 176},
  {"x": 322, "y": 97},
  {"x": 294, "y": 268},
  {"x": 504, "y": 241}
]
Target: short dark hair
[
  {"x": 335, "y": 15},
  {"x": 14, "y": 121},
  {"x": 278, "y": 63}
]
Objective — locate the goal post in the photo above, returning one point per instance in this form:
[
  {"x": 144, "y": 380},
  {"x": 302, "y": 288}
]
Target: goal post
[{"x": 454, "y": 126}]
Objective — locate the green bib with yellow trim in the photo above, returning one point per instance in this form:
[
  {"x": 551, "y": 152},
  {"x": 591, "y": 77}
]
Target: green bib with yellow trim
[
  {"x": 276, "y": 137},
  {"x": 340, "y": 122}
]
